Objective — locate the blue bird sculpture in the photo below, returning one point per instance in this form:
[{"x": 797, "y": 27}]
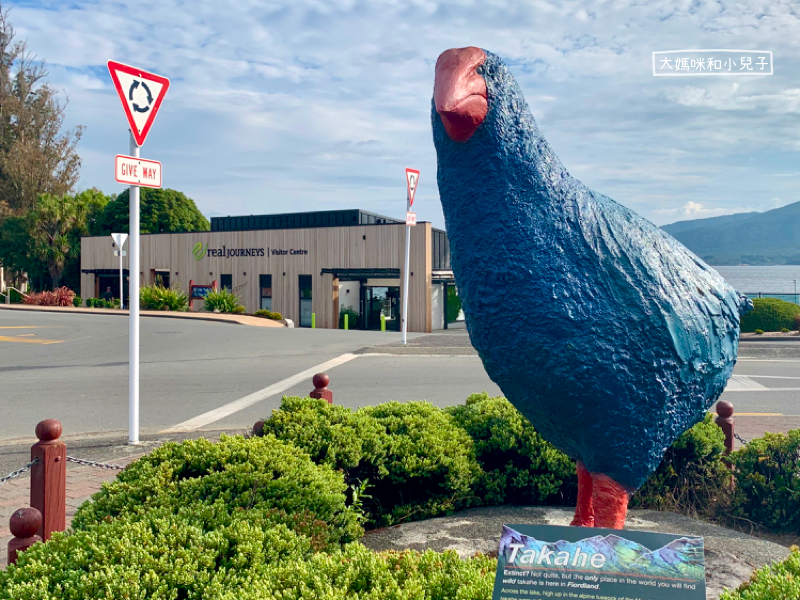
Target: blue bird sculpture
[{"x": 604, "y": 331}]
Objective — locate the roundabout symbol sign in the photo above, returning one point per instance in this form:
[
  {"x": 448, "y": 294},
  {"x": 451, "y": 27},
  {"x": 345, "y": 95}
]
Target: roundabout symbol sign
[{"x": 141, "y": 94}]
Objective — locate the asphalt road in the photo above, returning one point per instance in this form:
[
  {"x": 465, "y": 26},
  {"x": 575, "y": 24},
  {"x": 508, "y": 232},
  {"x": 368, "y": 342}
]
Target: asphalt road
[{"x": 73, "y": 367}]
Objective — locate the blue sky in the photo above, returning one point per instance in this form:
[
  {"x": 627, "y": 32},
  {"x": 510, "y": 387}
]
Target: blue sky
[{"x": 293, "y": 105}]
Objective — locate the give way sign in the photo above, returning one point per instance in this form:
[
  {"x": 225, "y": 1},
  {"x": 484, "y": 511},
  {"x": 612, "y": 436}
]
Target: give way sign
[
  {"x": 141, "y": 94},
  {"x": 412, "y": 178}
]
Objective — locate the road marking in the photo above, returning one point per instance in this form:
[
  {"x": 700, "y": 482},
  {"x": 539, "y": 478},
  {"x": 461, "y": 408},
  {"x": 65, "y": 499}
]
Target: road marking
[
  {"x": 31, "y": 327},
  {"x": 256, "y": 397},
  {"x": 759, "y": 415},
  {"x": 773, "y": 377},
  {"x": 5, "y": 338},
  {"x": 741, "y": 383},
  {"x": 781, "y": 360}
]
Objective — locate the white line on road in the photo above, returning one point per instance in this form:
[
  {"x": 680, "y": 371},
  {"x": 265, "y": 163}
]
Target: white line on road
[
  {"x": 256, "y": 397},
  {"x": 773, "y": 377},
  {"x": 741, "y": 383}
]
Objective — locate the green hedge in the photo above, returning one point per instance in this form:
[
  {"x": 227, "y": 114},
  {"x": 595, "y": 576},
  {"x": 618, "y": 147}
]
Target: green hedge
[
  {"x": 264, "y": 475},
  {"x": 768, "y": 481},
  {"x": 770, "y": 314},
  {"x": 268, "y": 314},
  {"x": 401, "y": 461},
  {"x": 693, "y": 477},
  {"x": 517, "y": 465}
]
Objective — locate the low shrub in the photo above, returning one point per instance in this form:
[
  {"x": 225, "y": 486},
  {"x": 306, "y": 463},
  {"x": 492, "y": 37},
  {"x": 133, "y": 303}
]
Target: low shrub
[
  {"x": 62, "y": 296},
  {"x": 768, "y": 481},
  {"x": 693, "y": 477},
  {"x": 238, "y": 310},
  {"x": 770, "y": 314},
  {"x": 268, "y": 314},
  {"x": 518, "y": 466},
  {"x": 160, "y": 556},
  {"x": 357, "y": 573},
  {"x": 413, "y": 457},
  {"x": 102, "y": 303},
  {"x": 158, "y": 297},
  {"x": 779, "y": 581},
  {"x": 784, "y": 330},
  {"x": 261, "y": 475},
  {"x": 76, "y": 301},
  {"x": 759, "y": 332},
  {"x": 352, "y": 318},
  {"x": 223, "y": 301}
]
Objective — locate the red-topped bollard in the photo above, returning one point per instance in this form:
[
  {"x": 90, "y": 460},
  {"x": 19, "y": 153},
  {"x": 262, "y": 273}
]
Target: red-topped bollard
[
  {"x": 24, "y": 525},
  {"x": 726, "y": 422},
  {"x": 49, "y": 478},
  {"x": 321, "y": 381}
]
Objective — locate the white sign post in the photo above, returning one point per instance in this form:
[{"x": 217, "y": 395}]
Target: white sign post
[
  {"x": 412, "y": 179},
  {"x": 119, "y": 242},
  {"x": 141, "y": 94}
]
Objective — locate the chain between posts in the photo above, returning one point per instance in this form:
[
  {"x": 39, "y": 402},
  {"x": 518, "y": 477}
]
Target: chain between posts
[
  {"x": 18, "y": 472},
  {"x": 94, "y": 463},
  {"x": 742, "y": 441}
]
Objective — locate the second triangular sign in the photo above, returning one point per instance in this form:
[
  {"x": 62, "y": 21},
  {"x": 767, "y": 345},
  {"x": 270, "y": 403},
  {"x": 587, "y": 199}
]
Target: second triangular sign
[
  {"x": 141, "y": 94},
  {"x": 412, "y": 178}
]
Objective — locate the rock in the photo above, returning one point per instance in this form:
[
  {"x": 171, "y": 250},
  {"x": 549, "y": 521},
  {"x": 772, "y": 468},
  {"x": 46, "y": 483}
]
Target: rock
[{"x": 731, "y": 556}]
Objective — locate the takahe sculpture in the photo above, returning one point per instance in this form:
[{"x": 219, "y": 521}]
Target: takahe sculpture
[{"x": 605, "y": 332}]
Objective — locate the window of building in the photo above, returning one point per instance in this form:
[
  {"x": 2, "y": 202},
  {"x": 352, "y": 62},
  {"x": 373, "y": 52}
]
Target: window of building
[
  {"x": 226, "y": 282},
  {"x": 265, "y": 283}
]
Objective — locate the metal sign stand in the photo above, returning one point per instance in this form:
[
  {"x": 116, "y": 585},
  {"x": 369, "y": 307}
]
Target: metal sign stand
[
  {"x": 133, "y": 306},
  {"x": 405, "y": 272}
]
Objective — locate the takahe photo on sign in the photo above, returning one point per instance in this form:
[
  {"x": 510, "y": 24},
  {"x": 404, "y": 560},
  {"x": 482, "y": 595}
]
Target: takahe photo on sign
[{"x": 546, "y": 561}]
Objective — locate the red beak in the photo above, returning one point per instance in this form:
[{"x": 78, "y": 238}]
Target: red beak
[{"x": 459, "y": 92}]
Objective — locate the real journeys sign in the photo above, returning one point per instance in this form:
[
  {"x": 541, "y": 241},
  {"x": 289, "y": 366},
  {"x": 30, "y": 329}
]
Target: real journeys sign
[
  {"x": 201, "y": 250},
  {"x": 545, "y": 561}
]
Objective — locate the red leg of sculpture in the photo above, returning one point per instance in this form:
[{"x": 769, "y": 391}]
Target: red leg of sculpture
[
  {"x": 610, "y": 502},
  {"x": 584, "y": 514}
]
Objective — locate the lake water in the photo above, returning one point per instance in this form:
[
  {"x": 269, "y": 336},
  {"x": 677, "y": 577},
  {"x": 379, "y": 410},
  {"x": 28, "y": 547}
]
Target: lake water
[{"x": 783, "y": 279}]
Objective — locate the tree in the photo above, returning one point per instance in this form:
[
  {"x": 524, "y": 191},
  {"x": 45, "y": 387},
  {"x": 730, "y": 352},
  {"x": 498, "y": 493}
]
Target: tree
[
  {"x": 46, "y": 241},
  {"x": 35, "y": 156},
  {"x": 161, "y": 211}
]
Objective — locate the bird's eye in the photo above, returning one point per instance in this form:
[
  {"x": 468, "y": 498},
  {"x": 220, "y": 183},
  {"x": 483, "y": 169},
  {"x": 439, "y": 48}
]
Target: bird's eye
[{"x": 480, "y": 70}]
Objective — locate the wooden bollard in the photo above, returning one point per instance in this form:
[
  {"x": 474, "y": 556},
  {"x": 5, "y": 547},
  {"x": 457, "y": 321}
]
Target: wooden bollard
[
  {"x": 726, "y": 422},
  {"x": 24, "y": 525},
  {"x": 49, "y": 478},
  {"x": 321, "y": 381}
]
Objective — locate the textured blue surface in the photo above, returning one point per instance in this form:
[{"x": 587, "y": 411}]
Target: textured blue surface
[{"x": 604, "y": 331}]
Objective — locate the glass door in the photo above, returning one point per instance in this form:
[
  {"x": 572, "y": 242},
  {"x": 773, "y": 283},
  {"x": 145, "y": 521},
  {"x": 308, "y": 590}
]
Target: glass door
[
  {"x": 305, "y": 300},
  {"x": 382, "y": 301}
]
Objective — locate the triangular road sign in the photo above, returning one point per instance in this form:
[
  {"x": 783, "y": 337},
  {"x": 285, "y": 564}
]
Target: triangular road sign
[
  {"x": 412, "y": 178},
  {"x": 141, "y": 94},
  {"x": 119, "y": 239}
]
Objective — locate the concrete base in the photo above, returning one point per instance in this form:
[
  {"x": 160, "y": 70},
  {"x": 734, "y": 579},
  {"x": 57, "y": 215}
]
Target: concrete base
[{"x": 730, "y": 556}]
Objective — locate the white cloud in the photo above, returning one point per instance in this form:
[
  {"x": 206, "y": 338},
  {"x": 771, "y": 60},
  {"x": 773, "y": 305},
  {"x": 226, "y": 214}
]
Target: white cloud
[{"x": 314, "y": 104}]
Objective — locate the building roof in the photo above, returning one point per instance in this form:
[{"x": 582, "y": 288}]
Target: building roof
[{"x": 302, "y": 220}]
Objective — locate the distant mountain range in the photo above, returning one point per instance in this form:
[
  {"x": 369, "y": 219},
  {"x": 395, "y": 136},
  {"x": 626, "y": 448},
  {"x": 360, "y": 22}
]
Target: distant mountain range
[{"x": 754, "y": 238}]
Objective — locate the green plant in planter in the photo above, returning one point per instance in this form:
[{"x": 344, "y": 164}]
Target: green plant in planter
[
  {"x": 268, "y": 314},
  {"x": 157, "y": 297},
  {"x": 223, "y": 301},
  {"x": 759, "y": 332}
]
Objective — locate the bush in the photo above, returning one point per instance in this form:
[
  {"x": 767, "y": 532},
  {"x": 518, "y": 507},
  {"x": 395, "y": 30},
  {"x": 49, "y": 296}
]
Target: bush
[
  {"x": 779, "y": 581},
  {"x": 223, "y": 301},
  {"x": 453, "y": 304},
  {"x": 264, "y": 476},
  {"x": 158, "y": 297},
  {"x": 768, "y": 481},
  {"x": 160, "y": 556},
  {"x": 693, "y": 477},
  {"x": 76, "y": 301},
  {"x": 413, "y": 457},
  {"x": 352, "y": 318},
  {"x": 797, "y": 322},
  {"x": 518, "y": 466},
  {"x": 357, "y": 573},
  {"x": 759, "y": 332},
  {"x": 268, "y": 314},
  {"x": 101, "y": 303},
  {"x": 62, "y": 296},
  {"x": 770, "y": 314},
  {"x": 784, "y": 330},
  {"x": 238, "y": 310}
]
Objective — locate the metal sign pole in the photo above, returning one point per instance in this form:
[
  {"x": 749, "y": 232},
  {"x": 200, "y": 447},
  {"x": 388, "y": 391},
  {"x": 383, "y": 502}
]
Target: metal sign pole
[
  {"x": 133, "y": 305},
  {"x": 405, "y": 272},
  {"x": 121, "y": 288}
]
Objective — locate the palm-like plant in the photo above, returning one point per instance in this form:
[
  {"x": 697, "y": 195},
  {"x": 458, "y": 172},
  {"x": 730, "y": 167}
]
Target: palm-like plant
[{"x": 52, "y": 225}]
